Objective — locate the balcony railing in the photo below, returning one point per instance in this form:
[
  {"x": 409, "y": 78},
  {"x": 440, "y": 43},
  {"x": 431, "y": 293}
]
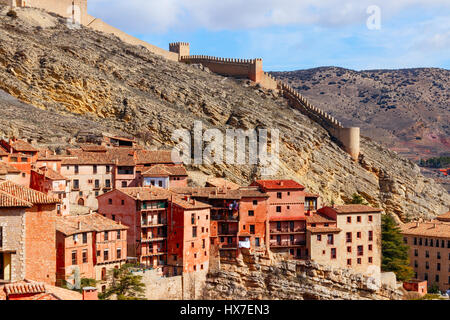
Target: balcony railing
[
  {"x": 288, "y": 230},
  {"x": 154, "y": 239},
  {"x": 148, "y": 223},
  {"x": 227, "y": 233},
  {"x": 229, "y": 246}
]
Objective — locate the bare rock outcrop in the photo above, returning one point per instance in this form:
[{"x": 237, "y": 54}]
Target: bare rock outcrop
[
  {"x": 258, "y": 278},
  {"x": 78, "y": 80}
]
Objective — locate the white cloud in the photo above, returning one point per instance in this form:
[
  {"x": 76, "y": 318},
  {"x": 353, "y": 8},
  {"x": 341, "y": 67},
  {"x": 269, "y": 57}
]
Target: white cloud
[{"x": 141, "y": 16}]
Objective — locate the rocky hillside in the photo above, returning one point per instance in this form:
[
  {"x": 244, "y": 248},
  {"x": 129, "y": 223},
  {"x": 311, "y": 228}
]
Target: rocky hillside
[
  {"x": 259, "y": 278},
  {"x": 72, "y": 81},
  {"x": 407, "y": 110}
]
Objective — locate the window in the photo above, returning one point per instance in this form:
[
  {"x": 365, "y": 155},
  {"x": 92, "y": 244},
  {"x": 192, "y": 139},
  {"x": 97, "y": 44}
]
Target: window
[
  {"x": 330, "y": 239},
  {"x": 109, "y": 201},
  {"x": 431, "y": 242},
  {"x": 108, "y": 169},
  {"x": 359, "y": 260},
  {"x": 415, "y": 241},
  {"x": 114, "y": 217},
  {"x": 203, "y": 244},
  {"x": 85, "y": 238},
  {"x": 98, "y": 253},
  {"x": 370, "y": 235},
  {"x": 416, "y": 264},
  {"x": 194, "y": 232},
  {"x": 94, "y": 169},
  {"x": 278, "y": 209},
  {"x": 349, "y": 219},
  {"x": 124, "y": 184},
  {"x": 405, "y": 240},
  {"x": 319, "y": 237},
  {"x": 75, "y": 238},
  {"x": 251, "y": 213},
  {"x": 370, "y": 260},
  {"x": 420, "y": 241},
  {"x": 438, "y": 267},
  {"x": 74, "y": 258},
  {"x": 333, "y": 253},
  {"x": 370, "y": 218},
  {"x": 106, "y": 255},
  {"x": 97, "y": 184},
  {"x": 255, "y": 202},
  {"x": 193, "y": 218},
  {"x": 106, "y": 235},
  {"x": 416, "y": 253},
  {"x": 349, "y": 262},
  {"x": 349, "y": 237},
  {"x": 122, "y": 202},
  {"x": 425, "y": 276},
  {"x": 358, "y": 235},
  {"x": 85, "y": 256},
  {"x": 360, "y": 250},
  {"x": 108, "y": 183},
  {"x": 426, "y": 242},
  {"x": 427, "y": 254},
  {"x": 119, "y": 253},
  {"x": 252, "y": 229},
  {"x": 160, "y": 184},
  {"x": 278, "y": 226},
  {"x": 279, "y": 195},
  {"x": 349, "y": 249},
  {"x": 427, "y": 265},
  {"x": 358, "y": 219},
  {"x": 76, "y": 184},
  {"x": 77, "y": 169},
  {"x": 439, "y": 255},
  {"x": 118, "y": 235},
  {"x": 370, "y": 247},
  {"x": 257, "y": 242}
]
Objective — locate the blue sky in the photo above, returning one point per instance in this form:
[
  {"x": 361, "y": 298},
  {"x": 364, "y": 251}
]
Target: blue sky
[{"x": 294, "y": 34}]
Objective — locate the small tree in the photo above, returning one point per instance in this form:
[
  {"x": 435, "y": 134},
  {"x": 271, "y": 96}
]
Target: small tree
[
  {"x": 395, "y": 256},
  {"x": 434, "y": 289},
  {"x": 358, "y": 199},
  {"x": 125, "y": 285}
]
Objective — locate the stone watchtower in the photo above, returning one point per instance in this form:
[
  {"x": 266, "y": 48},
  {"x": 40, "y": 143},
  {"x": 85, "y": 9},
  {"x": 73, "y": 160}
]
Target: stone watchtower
[{"x": 182, "y": 48}]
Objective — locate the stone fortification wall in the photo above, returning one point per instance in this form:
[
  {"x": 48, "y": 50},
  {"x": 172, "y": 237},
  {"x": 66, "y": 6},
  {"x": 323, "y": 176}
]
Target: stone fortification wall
[{"x": 239, "y": 68}]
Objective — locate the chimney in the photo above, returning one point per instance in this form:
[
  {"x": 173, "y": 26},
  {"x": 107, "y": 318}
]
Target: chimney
[{"x": 90, "y": 293}]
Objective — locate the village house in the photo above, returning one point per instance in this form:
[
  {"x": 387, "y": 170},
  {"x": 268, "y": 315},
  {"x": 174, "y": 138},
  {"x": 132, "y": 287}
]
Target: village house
[
  {"x": 89, "y": 246},
  {"x": 286, "y": 214},
  {"x": 188, "y": 235},
  {"x": 429, "y": 250},
  {"x": 145, "y": 212},
  {"x": 50, "y": 182},
  {"x": 165, "y": 176},
  {"x": 347, "y": 236},
  {"x": 21, "y": 155},
  {"x": 10, "y": 173},
  {"x": 32, "y": 290},
  {"x": 27, "y": 234}
]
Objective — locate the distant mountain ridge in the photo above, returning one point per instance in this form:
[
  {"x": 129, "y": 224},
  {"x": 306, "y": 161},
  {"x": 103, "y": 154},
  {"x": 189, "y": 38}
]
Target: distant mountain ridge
[{"x": 408, "y": 110}]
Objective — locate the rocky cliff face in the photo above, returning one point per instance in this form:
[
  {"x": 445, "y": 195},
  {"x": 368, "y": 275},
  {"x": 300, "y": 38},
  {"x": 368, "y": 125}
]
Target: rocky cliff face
[
  {"x": 66, "y": 81},
  {"x": 258, "y": 278}
]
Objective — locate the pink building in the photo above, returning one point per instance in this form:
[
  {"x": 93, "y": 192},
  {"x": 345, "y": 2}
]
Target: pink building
[
  {"x": 286, "y": 212},
  {"x": 165, "y": 176}
]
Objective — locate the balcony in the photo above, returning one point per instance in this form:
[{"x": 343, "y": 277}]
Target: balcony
[
  {"x": 152, "y": 224},
  {"x": 227, "y": 233},
  {"x": 154, "y": 254},
  {"x": 288, "y": 244},
  {"x": 288, "y": 231},
  {"x": 225, "y": 218},
  {"x": 229, "y": 246}
]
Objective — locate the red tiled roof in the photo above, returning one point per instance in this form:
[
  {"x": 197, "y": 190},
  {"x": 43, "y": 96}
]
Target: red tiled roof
[
  {"x": 161, "y": 170},
  {"x": 156, "y": 157},
  {"x": 145, "y": 194},
  {"x": 50, "y": 174},
  {"x": 22, "y": 146},
  {"x": 319, "y": 218},
  {"x": 9, "y": 201},
  {"x": 24, "y": 288},
  {"x": 70, "y": 225},
  {"x": 354, "y": 208},
  {"x": 45, "y": 154},
  {"x": 26, "y": 194},
  {"x": 430, "y": 229},
  {"x": 189, "y": 205},
  {"x": 311, "y": 195},
  {"x": 7, "y": 169},
  {"x": 278, "y": 184},
  {"x": 323, "y": 230},
  {"x": 93, "y": 148},
  {"x": 444, "y": 217}
]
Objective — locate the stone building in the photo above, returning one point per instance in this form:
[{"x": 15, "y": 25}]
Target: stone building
[
  {"x": 429, "y": 250},
  {"x": 89, "y": 246},
  {"x": 347, "y": 236},
  {"x": 27, "y": 234}
]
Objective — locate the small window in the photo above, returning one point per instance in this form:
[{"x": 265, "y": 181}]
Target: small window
[
  {"x": 349, "y": 262},
  {"x": 251, "y": 213},
  {"x": 370, "y": 260},
  {"x": 106, "y": 235},
  {"x": 279, "y": 195},
  {"x": 110, "y": 201},
  {"x": 255, "y": 202},
  {"x": 252, "y": 229},
  {"x": 370, "y": 218},
  {"x": 85, "y": 256},
  {"x": 358, "y": 235},
  {"x": 278, "y": 209},
  {"x": 85, "y": 238},
  {"x": 114, "y": 217},
  {"x": 333, "y": 253},
  {"x": 124, "y": 184},
  {"x": 358, "y": 219},
  {"x": 349, "y": 219},
  {"x": 122, "y": 202},
  {"x": 118, "y": 235},
  {"x": 106, "y": 255},
  {"x": 319, "y": 237},
  {"x": 74, "y": 258},
  {"x": 119, "y": 254}
]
